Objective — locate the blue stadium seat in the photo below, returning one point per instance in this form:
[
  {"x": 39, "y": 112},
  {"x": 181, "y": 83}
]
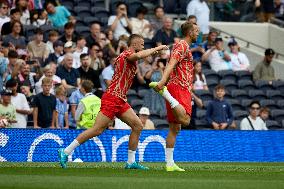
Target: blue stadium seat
[
  {"x": 211, "y": 75},
  {"x": 246, "y": 84},
  {"x": 229, "y": 84},
  {"x": 279, "y": 85},
  {"x": 269, "y": 103},
  {"x": 273, "y": 125},
  {"x": 136, "y": 104},
  {"x": 204, "y": 94},
  {"x": 263, "y": 85},
  {"x": 160, "y": 123},
  {"x": 245, "y": 103},
  {"x": 200, "y": 124},
  {"x": 228, "y": 74},
  {"x": 245, "y": 75},
  {"x": 240, "y": 114},
  {"x": 274, "y": 94},
  {"x": 257, "y": 94},
  {"x": 239, "y": 94},
  {"x": 235, "y": 103},
  {"x": 277, "y": 115}
]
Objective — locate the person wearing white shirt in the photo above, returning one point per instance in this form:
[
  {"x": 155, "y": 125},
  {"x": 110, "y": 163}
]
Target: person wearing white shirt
[
  {"x": 253, "y": 121},
  {"x": 217, "y": 57},
  {"x": 80, "y": 49},
  {"x": 106, "y": 76},
  {"x": 120, "y": 24},
  {"x": 200, "y": 9},
  {"x": 239, "y": 60},
  {"x": 199, "y": 78}
]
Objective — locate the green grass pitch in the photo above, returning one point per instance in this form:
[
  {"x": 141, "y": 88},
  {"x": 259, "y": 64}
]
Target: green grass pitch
[{"x": 112, "y": 175}]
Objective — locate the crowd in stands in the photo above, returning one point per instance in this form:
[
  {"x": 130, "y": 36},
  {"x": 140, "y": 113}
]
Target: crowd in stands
[{"x": 54, "y": 70}]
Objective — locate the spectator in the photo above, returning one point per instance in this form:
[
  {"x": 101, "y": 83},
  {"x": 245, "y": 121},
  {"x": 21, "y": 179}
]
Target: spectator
[
  {"x": 74, "y": 100},
  {"x": 122, "y": 44},
  {"x": 22, "y": 5},
  {"x": 25, "y": 77},
  {"x": 58, "y": 52},
  {"x": 166, "y": 35},
  {"x": 44, "y": 106},
  {"x": 154, "y": 101},
  {"x": 37, "y": 48},
  {"x": 238, "y": 59},
  {"x": 157, "y": 20},
  {"x": 106, "y": 46},
  {"x": 200, "y": 9},
  {"x": 107, "y": 74},
  {"x": 97, "y": 62},
  {"x": 231, "y": 11},
  {"x": 61, "y": 115},
  {"x": 58, "y": 15},
  {"x": 210, "y": 42},
  {"x": 15, "y": 39},
  {"x": 87, "y": 73},
  {"x": 43, "y": 18},
  {"x": 199, "y": 78},
  {"x": 279, "y": 9},
  {"x": 264, "y": 113},
  {"x": 140, "y": 25},
  {"x": 7, "y": 110},
  {"x": 13, "y": 68},
  {"x": 52, "y": 37},
  {"x": 69, "y": 34},
  {"x": 4, "y": 10},
  {"x": 88, "y": 107},
  {"x": 80, "y": 49},
  {"x": 143, "y": 68},
  {"x": 196, "y": 103},
  {"x": 144, "y": 114},
  {"x": 95, "y": 30},
  {"x": 219, "y": 113},
  {"x": 110, "y": 37},
  {"x": 120, "y": 24},
  {"x": 15, "y": 15},
  {"x": 264, "y": 70},
  {"x": 19, "y": 101},
  {"x": 67, "y": 49},
  {"x": 265, "y": 10},
  {"x": 3, "y": 71},
  {"x": 217, "y": 57},
  {"x": 49, "y": 73},
  {"x": 69, "y": 76},
  {"x": 253, "y": 121}
]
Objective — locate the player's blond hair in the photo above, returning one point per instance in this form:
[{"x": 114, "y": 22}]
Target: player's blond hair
[{"x": 186, "y": 27}]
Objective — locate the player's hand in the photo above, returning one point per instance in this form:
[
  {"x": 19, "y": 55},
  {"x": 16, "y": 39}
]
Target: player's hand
[
  {"x": 159, "y": 86},
  {"x": 162, "y": 47}
]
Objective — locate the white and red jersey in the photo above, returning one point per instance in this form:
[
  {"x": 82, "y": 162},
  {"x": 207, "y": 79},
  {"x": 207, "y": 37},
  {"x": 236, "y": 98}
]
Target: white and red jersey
[
  {"x": 183, "y": 72},
  {"x": 124, "y": 72}
]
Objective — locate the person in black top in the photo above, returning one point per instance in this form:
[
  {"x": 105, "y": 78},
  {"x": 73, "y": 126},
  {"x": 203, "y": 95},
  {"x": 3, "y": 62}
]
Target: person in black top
[
  {"x": 44, "y": 105},
  {"x": 15, "y": 15},
  {"x": 69, "y": 34},
  {"x": 58, "y": 51},
  {"x": 95, "y": 30}
]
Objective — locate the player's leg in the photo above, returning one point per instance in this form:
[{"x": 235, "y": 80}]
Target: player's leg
[
  {"x": 130, "y": 118},
  {"x": 100, "y": 125}
]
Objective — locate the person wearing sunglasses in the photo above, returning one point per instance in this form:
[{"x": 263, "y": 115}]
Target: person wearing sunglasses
[
  {"x": 253, "y": 121},
  {"x": 4, "y": 10}
]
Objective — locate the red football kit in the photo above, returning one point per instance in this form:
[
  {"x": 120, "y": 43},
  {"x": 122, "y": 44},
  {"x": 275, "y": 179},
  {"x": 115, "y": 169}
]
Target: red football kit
[
  {"x": 181, "y": 79},
  {"x": 114, "y": 101}
]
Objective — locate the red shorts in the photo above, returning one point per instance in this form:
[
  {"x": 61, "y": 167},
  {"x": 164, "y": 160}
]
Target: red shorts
[
  {"x": 183, "y": 96},
  {"x": 113, "y": 106}
]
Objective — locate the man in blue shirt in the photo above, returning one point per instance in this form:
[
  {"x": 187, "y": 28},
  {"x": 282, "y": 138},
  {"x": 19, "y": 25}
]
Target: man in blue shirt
[
  {"x": 58, "y": 15},
  {"x": 219, "y": 112}
]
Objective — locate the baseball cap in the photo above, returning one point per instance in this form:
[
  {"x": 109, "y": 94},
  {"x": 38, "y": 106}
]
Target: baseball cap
[
  {"x": 6, "y": 92},
  {"x": 232, "y": 42},
  {"x": 68, "y": 44},
  {"x": 269, "y": 52},
  {"x": 144, "y": 111},
  {"x": 218, "y": 39}
]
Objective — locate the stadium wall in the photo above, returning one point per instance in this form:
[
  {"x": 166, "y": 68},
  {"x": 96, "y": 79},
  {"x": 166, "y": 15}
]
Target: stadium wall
[{"x": 34, "y": 145}]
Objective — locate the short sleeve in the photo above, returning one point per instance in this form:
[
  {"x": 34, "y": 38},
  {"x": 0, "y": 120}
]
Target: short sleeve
[
  {"x": 72, "y": 98},
  {"x": 65, "y": 11},
  {"x": 179, "y": 51},
  {"x": 111, "y": 20}
]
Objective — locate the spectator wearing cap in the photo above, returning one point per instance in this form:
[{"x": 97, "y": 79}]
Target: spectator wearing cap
[
  {"x": 19, "y": 101},
  {"x": 217, "y": 57},
  {"x": 140, "y": 25},
  {"x": 238, "y": 59},
  {"x": 15, "y": 39},
  {"x": 4, "y": 11},
  {"x": 69, "y": 34},
  {"x": 58, "y": 52},
  {"x": 253, "y": 121},
  {"x": 264, "y": 70},
  {"x": 58, "y": 15},
  {"x": 80, "y": 49},
  {"x": 144, "y": 114},
  {"x": 52, "y": 37},
  {"x": 95, "y": 30},
  {"x": 68, "y": 48},
  {"x": 7, "y": 110},
  {"x": 119, "y": 23},
  {"x": 15, "y": 15},
  {"x": 157, "y": 20},
  {"x": 37, "y": 48},
  {"x": 166, "y": 35}
]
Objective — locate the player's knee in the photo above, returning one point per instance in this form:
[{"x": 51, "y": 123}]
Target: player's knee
[{"x": 184, "y": 120}]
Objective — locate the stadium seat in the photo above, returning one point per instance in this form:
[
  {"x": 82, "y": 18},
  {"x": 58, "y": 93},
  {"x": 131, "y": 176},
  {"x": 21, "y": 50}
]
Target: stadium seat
[
  {"x": 132, "y": 7},
  {"x": 280, "y": 103},
  {"x": 99, "y": 3},
  {"x": 229, "y": 84},
  {"x": 277, "y": 115},
  {"x": 143, "y": 92},
  {"x": 279, "y": 85},
  {"x": 245, "y": 103},
  {"x": 200, "y": 124},
  {"x": 206, "y": 65},
  {"x": 131, "y": 95},
  {"x": 201, "y": 114},
  {"x": 211, "y": 84},
  {"x": 239, "y": 94},
  {"x": 204, "y": 94},
  {"x": 257, "y": 94},
  {"x": 137, "y": 104},
  {"x": 228, "y": 75},
  {"x": 274, "y": 94},
  {"x": 82, "y": 30},
  {"x": 273, "y": 125},
  {"x": 85, "y": 3},
  {"x": 90, "y": 19},
  {"x": 100, "y": 12},
  {"x": 240, "y": 114},
  {"x": 160, "y": 123},
  {"x": 80, "y": 21},
  {"x": 246, "y": 84},
  {"x": 46, "y": 29},
  {"x": 154, "y": 115},
  {"x": 211, "y": 75},
  {"x": 263, "y": 85},
  {"x": 269, "y": 103},
  {"x": 78, "y": 9},
  {"x": 68, "y": 4},
  {"x": 170, "y": 6},
  {"x": 244, "y": 75},
  {"x": 238, "y": 123},
  {"x": 235, "y": 103},
  {"x": 205, "y": 103},
  {"x": 282, "y": 123}
]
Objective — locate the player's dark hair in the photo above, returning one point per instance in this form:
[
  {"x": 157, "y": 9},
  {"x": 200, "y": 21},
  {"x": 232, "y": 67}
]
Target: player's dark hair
[
  {"x": 132, "y": 37},
  {"x": 87, "y": 85},
  {"x": 186, "y": 27}
]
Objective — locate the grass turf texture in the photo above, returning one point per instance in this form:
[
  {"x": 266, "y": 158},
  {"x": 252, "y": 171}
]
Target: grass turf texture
[{"x": 113, "y": 175}]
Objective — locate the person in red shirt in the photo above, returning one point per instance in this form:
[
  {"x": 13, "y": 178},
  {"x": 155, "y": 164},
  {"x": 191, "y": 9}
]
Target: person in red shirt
[
  {"x": 178, "y": 75},
  {"x": 114, "y": 102}
]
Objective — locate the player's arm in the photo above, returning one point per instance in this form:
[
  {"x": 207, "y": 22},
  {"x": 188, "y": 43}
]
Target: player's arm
[
  {"x": 142, "y": 54},
  {"x": 35, "y": 116}
]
